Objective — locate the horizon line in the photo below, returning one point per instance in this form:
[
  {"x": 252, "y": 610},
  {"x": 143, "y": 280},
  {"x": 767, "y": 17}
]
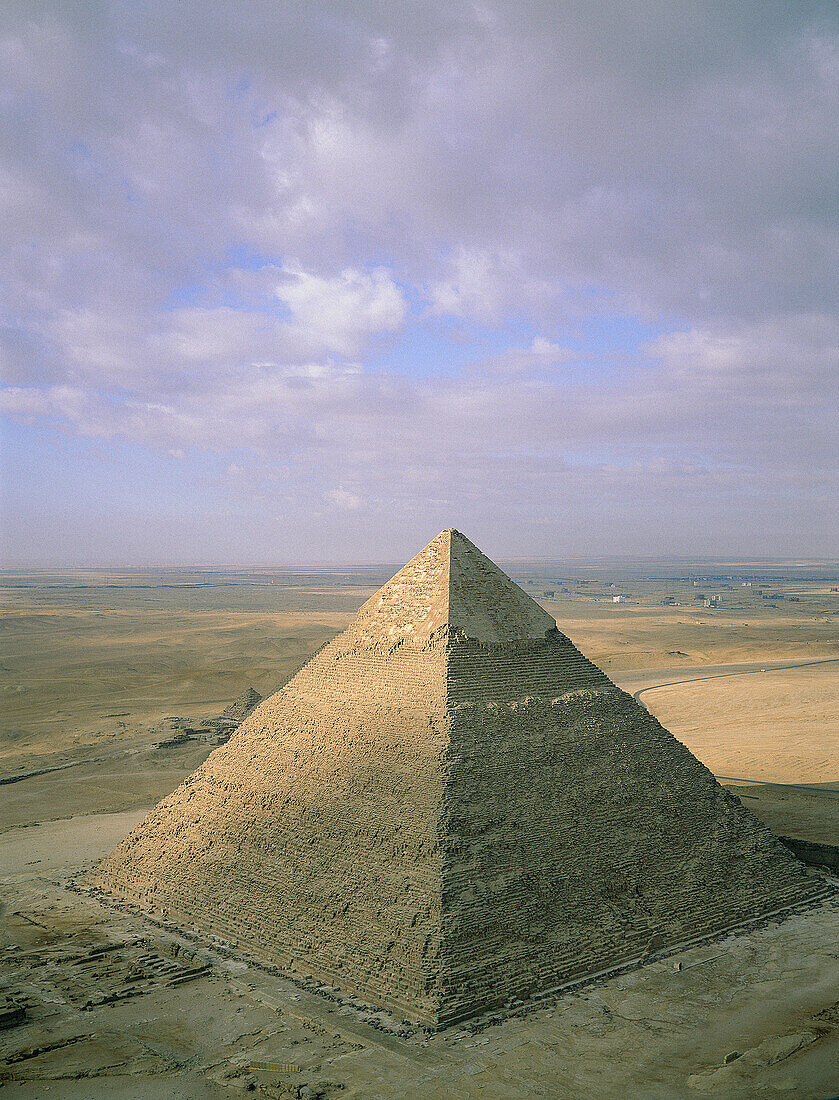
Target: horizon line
[{"x": 333, "y": 564}]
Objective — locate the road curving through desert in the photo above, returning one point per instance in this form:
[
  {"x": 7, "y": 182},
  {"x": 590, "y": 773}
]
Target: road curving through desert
[
  {"x": 729, "y": 671},
  {"x": 710, "y": 672}
]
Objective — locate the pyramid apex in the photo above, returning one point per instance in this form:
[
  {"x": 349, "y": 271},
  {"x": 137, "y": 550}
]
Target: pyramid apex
[
  {"x": 450, "y": 590},
  {"x": 485, "y": 605}
]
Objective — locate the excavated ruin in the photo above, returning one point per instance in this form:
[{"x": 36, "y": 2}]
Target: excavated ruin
[{"x": 449, "y": 807}]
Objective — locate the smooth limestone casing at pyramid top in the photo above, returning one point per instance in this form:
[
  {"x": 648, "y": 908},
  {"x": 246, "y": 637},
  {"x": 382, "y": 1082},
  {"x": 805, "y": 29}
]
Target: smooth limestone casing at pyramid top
[{"x": 449, "y": 807}]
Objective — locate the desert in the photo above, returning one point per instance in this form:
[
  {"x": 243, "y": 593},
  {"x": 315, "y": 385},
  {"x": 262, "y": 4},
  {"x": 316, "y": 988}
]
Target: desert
[{"x": 749, "y": 688}]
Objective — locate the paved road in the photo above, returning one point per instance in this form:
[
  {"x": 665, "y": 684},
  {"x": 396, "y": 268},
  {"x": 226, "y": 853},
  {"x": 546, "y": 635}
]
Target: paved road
[
  {"x": 716, "y": 672},
  {"x": 768, "y": 783},
  {"x": 625, "y": 677}
]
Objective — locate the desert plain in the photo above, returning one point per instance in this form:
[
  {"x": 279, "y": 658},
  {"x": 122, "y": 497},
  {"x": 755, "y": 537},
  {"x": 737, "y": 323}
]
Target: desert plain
[{"x": 740, "y": 661}]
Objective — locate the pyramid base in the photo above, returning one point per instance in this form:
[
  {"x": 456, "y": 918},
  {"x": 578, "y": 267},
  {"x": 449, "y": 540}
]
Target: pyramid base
[
  {"x": 572, "y": 980},
  {"x": 823, "y": 893}
]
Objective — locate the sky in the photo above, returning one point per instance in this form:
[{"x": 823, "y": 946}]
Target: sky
[{"x": 311, "y": 281}]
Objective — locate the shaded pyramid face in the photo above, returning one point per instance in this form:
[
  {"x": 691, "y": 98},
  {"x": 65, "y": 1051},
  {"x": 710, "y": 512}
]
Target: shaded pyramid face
[{"x": 449, "y": 808}]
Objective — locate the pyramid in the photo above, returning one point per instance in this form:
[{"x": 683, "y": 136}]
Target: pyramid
[
  {"x": 450, "y": 807},
  {"x": 240, "y": 708}
]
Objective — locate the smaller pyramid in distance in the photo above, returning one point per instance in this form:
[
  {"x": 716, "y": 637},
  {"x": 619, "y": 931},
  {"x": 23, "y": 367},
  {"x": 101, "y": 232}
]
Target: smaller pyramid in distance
[
  {"x": 241, "y": 708},
  {"x": 450, "y": 807}
]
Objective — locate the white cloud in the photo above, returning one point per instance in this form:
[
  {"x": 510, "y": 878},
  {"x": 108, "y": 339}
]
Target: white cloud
[
  {"x": 543, "y": 355},
  {"x": 341, "y": 313},
  {"x": 791, "y": 356},
  {"x": 344, "y": 500},
  {"x": 479, "y": 285},
  {"x": 546, "y": 349},
  {"x": 63, "y": 403}
]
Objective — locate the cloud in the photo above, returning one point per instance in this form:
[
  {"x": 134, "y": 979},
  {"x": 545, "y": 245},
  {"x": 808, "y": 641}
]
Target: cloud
[
  {"x": 62, "y": 403},
  {"x": 479, "y": 286},
  {"x": 231, "y": 231},
  {"x": 571, "y": 148},
  {"x": 545, "y": 348},
  {"x": 344, "y": 500},
  {"x": 342, "y": 312},
  {"x": 540, "y": 357},
  {"x": 793, "y": 357},
  {"x": 698, "y": 399}
]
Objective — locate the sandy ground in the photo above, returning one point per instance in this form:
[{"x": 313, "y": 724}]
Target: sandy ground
[
  {"x": 807, "y": 815},
  {"x": 72, "y": 679},
  {"x": 779, "y": 726},
  {"x": 55, "y": 845},
  {"x": 121, "y": 782},
  {"x": 773, "y": 726},
  {"x": 660, "y": 1032},
  {"x": 86, "y": 673}
]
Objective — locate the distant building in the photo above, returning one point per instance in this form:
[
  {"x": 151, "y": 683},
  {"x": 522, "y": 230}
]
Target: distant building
[
  {"x": 617, "y": 599},
  {"x": 549, "y": 592}
]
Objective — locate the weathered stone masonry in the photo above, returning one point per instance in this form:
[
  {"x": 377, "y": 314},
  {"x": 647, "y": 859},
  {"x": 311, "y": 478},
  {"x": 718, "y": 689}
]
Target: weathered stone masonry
[{"x": 450, "y": 806}]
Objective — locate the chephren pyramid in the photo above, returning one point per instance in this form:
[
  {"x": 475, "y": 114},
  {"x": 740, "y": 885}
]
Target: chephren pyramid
[{"x": 450, "y": 807}]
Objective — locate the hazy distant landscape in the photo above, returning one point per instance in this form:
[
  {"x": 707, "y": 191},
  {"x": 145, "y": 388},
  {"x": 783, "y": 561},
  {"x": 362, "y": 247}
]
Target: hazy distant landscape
[{"x": 93, "y": 660}]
